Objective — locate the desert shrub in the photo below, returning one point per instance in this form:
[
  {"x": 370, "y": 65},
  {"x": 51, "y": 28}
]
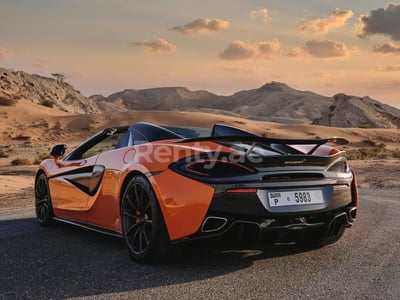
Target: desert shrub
[
  {"x": 40, "y": 157},
  {"x": 396, "y": 153},
  {"x": 369, "y": 142},
  {"x": 22, "y": 137},
  {"x": 382, "y": 155},
  {"x": 3, "y": 154},
  {"x": 352, "y": 154},
  {"x": 366, "y": 153},
  {"x": 5, "y": 101},
  {"x": 89, "y": 127},
  {"x": 364, "y": 125},
  {"x": 381, "y": 146},
  {"x": 57, "y": 126},
  {"x": 21, "y": 162},
  {"x": 371, "y": 153},
  {"x": 26, "y": 138},
  {"x": 47, "y": 103}
]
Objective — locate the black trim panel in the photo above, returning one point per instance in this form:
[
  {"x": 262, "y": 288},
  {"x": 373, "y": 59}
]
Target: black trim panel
[
  {"x": 87, "y": 179},
  {"x": 90, "y": 227}
]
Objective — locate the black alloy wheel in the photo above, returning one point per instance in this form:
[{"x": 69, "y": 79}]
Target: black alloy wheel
[
  {"x": 43, "y": 207},
  {"x": 143, "y": 225}
]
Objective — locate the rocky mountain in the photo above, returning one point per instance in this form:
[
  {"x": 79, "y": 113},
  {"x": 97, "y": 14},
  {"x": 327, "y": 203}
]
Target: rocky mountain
[
  {"x": 274, "y": 102},
  {"x": 49, "y": 92},
  {"x": 280, "y": 103},
  {"x": 361, "y": 112},
  {"x": 166, "y": 98}
]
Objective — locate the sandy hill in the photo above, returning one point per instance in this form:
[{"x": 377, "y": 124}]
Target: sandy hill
[
  {"x": 277, "y": 102},
  {"x": 273, "y": 102},
  {"x": 31, "y": 122},
  {"x": 364, "y": 112},
  {"x": 15, "y": 85},
  {"x": 168, "y": 98}
]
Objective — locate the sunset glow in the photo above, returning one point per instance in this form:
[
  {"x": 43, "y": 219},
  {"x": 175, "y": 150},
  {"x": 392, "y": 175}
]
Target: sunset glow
[{"x": 104, "y": 46}]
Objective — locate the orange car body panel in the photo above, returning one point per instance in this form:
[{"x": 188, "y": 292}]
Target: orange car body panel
[{"x": 184, "y": 202}]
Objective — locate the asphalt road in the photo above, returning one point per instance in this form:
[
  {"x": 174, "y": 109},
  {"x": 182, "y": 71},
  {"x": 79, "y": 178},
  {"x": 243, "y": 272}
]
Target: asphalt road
[{"x": 67, "y": 262}]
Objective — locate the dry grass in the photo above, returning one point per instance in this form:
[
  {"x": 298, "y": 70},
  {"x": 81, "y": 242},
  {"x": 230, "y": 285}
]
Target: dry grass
[
  {"x": 6, "y": 101},
  {"x": 21, "y": 162}
]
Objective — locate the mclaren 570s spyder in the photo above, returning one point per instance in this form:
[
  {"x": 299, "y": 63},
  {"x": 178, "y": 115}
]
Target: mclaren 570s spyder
[{"x": 160, "y": 187}]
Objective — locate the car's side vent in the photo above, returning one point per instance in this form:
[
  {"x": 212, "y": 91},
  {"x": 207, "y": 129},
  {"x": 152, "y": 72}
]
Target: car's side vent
[{"x": 292, "y": 176}]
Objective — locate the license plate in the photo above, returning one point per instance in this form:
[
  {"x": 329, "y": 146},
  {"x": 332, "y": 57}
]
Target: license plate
[{"x": 290, "y": 198}]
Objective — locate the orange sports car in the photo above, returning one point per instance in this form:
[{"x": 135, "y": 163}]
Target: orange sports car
[{"x": 160, "y": 187}]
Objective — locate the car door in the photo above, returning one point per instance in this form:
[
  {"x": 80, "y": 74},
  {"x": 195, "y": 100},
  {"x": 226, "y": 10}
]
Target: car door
[
  {"x": 73, "y": 183},
  {"x": 77, "y": 177}
]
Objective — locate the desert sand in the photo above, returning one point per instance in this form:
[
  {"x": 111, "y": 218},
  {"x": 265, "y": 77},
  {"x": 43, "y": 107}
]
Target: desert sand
[{"x": 29, "y": 130}]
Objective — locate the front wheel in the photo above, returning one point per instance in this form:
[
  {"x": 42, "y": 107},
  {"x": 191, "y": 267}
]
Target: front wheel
[
  {"x": 143, "y": 225},
  {"x": 43, "y": 207}
]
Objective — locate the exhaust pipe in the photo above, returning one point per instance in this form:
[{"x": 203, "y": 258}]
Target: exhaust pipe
[
  {"x": 212, "y": 224},
  {"x": 352, "y": 214}
]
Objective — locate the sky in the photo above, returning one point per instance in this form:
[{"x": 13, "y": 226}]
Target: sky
[{"x": 222, "y": 46}]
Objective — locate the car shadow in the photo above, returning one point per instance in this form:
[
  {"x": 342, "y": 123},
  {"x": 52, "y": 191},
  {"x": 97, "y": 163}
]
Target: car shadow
[{"x": 66, "y": 261}]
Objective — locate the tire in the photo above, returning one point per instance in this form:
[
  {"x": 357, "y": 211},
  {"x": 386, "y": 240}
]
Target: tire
[
  {"x": 43, "y": 206},
  {"x": 143, "y": 225}
]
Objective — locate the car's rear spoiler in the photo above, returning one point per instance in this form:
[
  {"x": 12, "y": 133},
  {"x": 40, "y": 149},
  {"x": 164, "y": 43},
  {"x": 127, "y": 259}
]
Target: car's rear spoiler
[{"x": 269, "y": 141}]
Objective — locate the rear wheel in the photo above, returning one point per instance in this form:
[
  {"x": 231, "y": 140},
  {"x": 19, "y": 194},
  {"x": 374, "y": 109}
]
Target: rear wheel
[
  {"x": 143, "y": 225},
  {"x": 43, "y": 207}
]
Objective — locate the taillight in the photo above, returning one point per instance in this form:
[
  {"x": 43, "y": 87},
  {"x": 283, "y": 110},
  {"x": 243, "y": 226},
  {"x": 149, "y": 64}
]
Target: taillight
[
  {"x": 333, "y": 151},
  {"x": 242, "y": 190},
  {"x": 217, "y": 168},
  {"x": 340, "y": 167}
]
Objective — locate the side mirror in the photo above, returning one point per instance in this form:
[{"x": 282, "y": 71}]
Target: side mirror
[{"x": 58, "y": 150}]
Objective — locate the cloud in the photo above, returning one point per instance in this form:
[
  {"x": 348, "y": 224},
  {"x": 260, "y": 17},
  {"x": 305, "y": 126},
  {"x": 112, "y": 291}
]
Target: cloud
[
  {"x": 242, "y": 50},
  {"x": 202, "y": 25},
  {"x": 338, "y": 18},
  {"x": 390, "y": 68},
  {"x": 326, "y": 49},
  {"x": 260, "y": 13},
  {"x": 387, "y": 48},
  {"x": 238, "y": 50},
  {"x": 297, "y": 52},
  {"x": 6, "y": 54},
  {"x": 157, "y": 45},
  {"x": 380, "y": 21},
  {"x": 268, "y": 49},
  {"x": 328, "y": 74}
]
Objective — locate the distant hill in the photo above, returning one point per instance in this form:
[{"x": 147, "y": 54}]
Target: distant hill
[
  {"x": 167, "y": 98},
  {"x": 15, "y": 85},
  {"x": 273, "y": 102},
  {"x": 361, "y": 112}
]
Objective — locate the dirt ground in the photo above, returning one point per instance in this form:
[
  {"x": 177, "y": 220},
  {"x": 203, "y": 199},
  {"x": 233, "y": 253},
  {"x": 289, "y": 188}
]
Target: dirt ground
[
  {"x": 16, "y": 183},
  {"x": 16, "y": 187}
]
